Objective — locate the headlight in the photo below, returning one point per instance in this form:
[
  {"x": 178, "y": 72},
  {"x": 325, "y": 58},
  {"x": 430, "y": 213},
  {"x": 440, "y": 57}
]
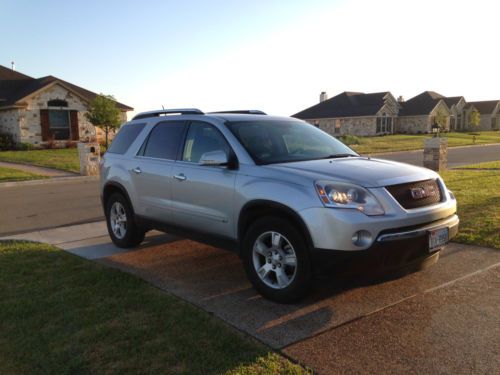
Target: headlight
[{"x": 343, "y": 195}]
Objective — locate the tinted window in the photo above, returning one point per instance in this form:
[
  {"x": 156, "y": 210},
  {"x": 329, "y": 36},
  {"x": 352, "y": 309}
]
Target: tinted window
[
  {"x": 125, "y": 137},
  {"x": 286, "y": 141},
  {"x": 164, "y": 140},
  {"x": 203, "y": 138}
]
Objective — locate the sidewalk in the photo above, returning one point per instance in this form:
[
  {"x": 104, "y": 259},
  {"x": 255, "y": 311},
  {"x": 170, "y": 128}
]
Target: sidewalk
[
  {"x": 44, "y": 171},
  {"x": 443, "y": 319}
]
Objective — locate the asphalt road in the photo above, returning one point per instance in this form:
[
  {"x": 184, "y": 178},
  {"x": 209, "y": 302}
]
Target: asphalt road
[
  {"x": 51, "y": 204},
  {"x": 457, "y": 156},
  {"x": 30, "y": 207}
]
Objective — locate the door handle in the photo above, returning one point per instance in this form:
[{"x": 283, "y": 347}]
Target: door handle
[
  {"x": 137, "y": 170},
  {"x": 180, "y": 177}
]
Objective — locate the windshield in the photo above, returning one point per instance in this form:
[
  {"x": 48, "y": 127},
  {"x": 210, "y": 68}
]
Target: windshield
[{"x": 271, "y": 141}]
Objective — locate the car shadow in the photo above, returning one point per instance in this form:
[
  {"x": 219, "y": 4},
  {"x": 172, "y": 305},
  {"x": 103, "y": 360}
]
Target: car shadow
[{"x": 214, "y": 280}]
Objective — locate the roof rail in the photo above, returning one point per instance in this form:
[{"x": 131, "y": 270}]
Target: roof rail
[
  {"x": 244, "y": 112},
  {"x": 176, "y": 111}
]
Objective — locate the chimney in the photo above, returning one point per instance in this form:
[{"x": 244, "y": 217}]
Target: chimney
[
  {"x": 13, "y": 65},
  {"x": 323, "y": 96},
  {"x": 400, "y": 99}
]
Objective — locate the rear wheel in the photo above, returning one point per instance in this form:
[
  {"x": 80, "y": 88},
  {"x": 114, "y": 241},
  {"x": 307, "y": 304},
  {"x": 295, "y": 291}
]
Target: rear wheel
[
  {"x": 276, "y": 259},
  {"x": 122, "y": 229}
]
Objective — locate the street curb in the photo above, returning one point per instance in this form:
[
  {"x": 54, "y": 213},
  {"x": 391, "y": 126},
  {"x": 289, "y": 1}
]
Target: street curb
[{"x": 50, "y": 180}]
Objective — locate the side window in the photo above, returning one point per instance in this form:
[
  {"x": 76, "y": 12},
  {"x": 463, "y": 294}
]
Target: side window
[
  {"x": 202, "y": 138},
  {"x": 164, "y": 140},
  {"x": 124, "y": 138}
]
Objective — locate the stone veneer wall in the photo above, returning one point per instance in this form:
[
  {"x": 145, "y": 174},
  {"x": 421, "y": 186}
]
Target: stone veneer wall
[
  {"x": 413, "y": 124},
  {"x": 485, "y": 123},
  {"x": 31, "y": 130},
  {"x": 362, "y": 126},
  {"x": 9, "y": 123}
]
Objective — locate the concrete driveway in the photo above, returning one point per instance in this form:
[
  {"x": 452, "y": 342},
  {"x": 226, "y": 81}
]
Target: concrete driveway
[{"x": 441, "y": 320}]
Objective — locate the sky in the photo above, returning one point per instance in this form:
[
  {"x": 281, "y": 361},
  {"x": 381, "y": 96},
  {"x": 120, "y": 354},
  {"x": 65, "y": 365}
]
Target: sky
[{"x": 276, "y": 56}]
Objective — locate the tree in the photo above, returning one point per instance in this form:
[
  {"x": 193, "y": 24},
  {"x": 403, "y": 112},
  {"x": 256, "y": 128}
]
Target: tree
[
  {"x": 104, "y": 112},
  {"x": 441, "y": 119},
  {"x": 474, "y": 118}
]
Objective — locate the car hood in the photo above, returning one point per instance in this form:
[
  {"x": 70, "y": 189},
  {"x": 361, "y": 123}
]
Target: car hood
[{"x": 363, "y": 171}]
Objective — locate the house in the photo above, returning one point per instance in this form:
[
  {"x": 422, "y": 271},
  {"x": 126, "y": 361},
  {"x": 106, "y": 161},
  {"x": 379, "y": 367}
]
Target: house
[
  {"x": 38, "y": 110},
  {"x": 489, "y": 111},
  {"x": 353, "y": 113},
  {"x": 420, "y": 113},
  {"x": 456, "y": 105}
]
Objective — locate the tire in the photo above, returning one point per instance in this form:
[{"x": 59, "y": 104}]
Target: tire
[
  {"x": 118, "y": 211},
  {"x": 272, "y": 245}
]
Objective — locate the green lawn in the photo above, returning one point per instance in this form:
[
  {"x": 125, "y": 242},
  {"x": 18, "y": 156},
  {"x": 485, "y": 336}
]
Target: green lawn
[
  {"x": 478, "y": 199},
  {"x": 10, "y": 174},
  {"x": 490, "y": 165},
  {"x": 403, "y": 142},
  {"x": 65, "y": 159},
  {"x": 60, "y": 314}
]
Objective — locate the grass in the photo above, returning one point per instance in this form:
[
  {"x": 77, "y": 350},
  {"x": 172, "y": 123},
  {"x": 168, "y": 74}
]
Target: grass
[
  {"x": 61, "y": 314},
  {"x": 478, "y": 200},
  {"x": 490, "y": 165},
  {"x": 64, "y": 159},
  {"x": 403, "y": 142},
  {"x": 10, "y": 174}
]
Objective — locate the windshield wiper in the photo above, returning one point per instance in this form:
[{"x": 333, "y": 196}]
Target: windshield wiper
[{"x": 336, "y": 156}]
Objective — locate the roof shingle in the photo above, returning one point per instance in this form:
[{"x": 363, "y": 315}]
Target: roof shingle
[
  {"x": 346, "y": 104},
  {"x": 422, "y": 104},
  {"x": 485, "y": 107},
  {"x": 15, "y": 86}
]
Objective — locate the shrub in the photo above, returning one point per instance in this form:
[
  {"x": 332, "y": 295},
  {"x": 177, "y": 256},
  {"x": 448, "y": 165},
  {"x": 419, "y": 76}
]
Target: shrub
[
  {"x": 22, "y": 146},
  {"x": 349, "y": 139},
  {"x": 7, "y": 142}
]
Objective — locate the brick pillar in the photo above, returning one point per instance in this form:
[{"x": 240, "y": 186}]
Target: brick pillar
[
  {"x": 89, "y": 158},
  {"x": 436, "y": 154}
]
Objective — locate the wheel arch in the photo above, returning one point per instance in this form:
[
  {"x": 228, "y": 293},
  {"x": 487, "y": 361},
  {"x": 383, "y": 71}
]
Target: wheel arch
[
  {"x": 115, "y": 187},
  {"x": 255, "y": 209}
]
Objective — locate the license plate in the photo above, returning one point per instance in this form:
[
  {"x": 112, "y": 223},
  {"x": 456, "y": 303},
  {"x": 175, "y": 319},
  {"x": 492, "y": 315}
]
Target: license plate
[{"x": 437, "y": 239}]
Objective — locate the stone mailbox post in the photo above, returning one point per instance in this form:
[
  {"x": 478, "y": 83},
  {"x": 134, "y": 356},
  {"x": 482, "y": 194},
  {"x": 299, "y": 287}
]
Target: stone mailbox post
[
  {"x": 436, "y": 153},
  {"x": 90, "y": 156}
]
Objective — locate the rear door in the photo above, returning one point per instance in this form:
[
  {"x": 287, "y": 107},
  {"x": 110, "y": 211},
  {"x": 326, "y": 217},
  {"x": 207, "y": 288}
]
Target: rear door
[
  {"x": 152, "y": 169},
  {"x": 202, "y": 196}
]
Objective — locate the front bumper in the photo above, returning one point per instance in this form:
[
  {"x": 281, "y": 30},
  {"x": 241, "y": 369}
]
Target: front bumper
[{"x": 393, "y": 249}]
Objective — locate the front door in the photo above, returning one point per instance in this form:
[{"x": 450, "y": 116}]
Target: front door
[{"x": 202, "y": 196}]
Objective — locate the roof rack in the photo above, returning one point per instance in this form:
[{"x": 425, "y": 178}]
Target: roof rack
[
  {"x": 244, "y": 112},
  {"x": 176, "y": 111}
]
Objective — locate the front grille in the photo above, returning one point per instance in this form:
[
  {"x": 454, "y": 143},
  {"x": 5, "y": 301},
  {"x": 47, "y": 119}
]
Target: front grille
[{"x": 416, "y": 194}]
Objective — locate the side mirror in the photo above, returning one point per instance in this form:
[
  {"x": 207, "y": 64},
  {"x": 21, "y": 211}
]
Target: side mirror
[{"x": 214, "y": 158}]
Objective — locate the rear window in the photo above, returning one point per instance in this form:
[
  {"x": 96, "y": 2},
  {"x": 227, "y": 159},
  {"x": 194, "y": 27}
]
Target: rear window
[
  {"x": 164, "y": 140},
  {"x": 125, "y": 137}
]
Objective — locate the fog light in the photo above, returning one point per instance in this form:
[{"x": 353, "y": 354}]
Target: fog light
[{"x": 362, "y": 238}]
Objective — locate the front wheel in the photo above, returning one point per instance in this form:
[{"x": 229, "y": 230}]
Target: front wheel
[
  {"x": 122, "y": 228},
  {"x": 276, "y": 259}
]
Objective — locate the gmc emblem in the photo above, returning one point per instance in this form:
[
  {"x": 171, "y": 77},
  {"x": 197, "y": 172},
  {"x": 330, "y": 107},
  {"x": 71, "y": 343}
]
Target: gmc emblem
[{"x": 423, "y": 192}]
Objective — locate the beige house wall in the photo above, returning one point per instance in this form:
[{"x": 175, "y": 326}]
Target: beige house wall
[
  {"x": 9, "y": 123},
  {"x": 360, "y": 126},
  {"x": 25, "y": 124},
  {"x": 31, "y": 130},
  {"x": 414, "y": 124}
]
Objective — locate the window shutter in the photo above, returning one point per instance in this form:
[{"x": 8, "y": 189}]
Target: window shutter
[
  {"x": 44, "y": 124},
  {"x": 73, "y": 119}
]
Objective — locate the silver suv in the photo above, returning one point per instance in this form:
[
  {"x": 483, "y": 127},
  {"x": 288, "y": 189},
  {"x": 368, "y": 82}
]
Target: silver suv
[{"x": 290, "y": 199}]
